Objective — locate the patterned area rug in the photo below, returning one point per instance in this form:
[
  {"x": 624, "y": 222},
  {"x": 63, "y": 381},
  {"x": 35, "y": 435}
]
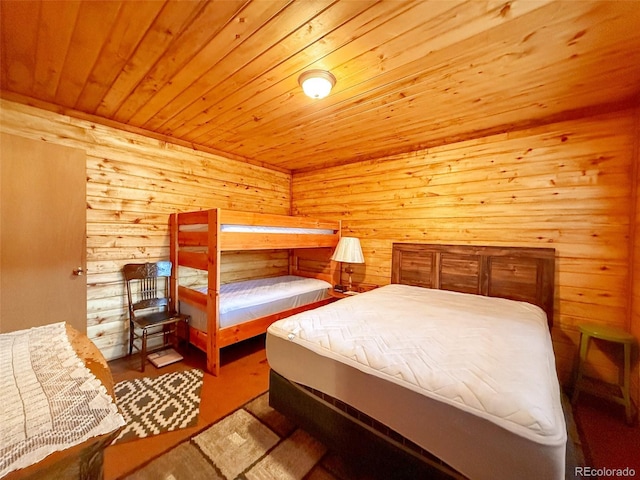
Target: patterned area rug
[
  {"x": 254, "y": 442},
  {"x": 154, "y": 405}
]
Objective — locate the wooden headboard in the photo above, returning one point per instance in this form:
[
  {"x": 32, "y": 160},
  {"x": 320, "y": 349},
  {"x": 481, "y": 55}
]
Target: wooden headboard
[{"x": 517, "y": 273}]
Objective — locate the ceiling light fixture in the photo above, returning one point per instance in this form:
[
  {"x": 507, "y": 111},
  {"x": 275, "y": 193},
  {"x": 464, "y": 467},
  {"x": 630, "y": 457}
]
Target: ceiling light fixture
[{"x": 317, "y": 83}]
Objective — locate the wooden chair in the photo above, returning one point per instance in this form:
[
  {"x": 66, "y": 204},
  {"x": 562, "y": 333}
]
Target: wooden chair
[{"x": 151, "y": 308}]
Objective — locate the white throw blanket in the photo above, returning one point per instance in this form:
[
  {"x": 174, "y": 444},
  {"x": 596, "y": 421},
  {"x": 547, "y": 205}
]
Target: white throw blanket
[{"x": 50, "y": 400}]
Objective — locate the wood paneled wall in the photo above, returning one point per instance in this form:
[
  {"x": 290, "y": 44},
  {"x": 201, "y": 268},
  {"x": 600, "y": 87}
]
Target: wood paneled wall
[
  {"x": 133, "y": 184},
  {"x": 566, "y": 185},
  {"x": 571, "y": 186}
]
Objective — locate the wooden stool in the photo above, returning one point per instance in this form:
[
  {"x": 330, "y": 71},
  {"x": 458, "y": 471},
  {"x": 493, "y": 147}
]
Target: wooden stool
[{"x": 609, "y": 334}]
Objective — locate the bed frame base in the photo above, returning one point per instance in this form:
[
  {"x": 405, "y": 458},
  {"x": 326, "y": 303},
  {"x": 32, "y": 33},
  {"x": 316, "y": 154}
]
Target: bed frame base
[{"x": 365, "y": 448}]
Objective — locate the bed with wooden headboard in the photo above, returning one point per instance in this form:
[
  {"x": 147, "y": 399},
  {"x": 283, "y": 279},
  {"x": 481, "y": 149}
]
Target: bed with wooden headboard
[
  {"x": 448, "y": 372},
  {"x": 516, "y": 273}
]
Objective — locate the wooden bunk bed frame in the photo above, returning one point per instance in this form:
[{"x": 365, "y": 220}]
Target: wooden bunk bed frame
[{"x": 309, "y": 256}]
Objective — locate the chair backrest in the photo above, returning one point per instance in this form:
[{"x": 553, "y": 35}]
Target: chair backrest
[{"x": 148, "y": 286}]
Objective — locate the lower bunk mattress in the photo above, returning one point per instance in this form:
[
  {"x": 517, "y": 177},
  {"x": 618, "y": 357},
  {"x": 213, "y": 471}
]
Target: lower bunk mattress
[
  {"x": 244, "y": 301},
  {"x": 470, "y": 379}
]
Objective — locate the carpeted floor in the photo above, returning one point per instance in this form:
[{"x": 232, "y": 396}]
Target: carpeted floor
[
  {"x": 253, "y": 441},
  {"x": 256, "y": 442},
  {"x": 161, "y": 404}
]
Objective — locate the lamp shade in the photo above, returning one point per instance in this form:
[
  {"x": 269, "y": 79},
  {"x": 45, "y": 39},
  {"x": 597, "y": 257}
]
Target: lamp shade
[
  {"x": 348, "y": 251},
  {"x": 317, "y": 83}
]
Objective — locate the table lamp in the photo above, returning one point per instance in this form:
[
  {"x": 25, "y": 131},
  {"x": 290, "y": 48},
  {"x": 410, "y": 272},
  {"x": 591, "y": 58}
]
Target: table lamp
[{"x": 348, "y": 251}]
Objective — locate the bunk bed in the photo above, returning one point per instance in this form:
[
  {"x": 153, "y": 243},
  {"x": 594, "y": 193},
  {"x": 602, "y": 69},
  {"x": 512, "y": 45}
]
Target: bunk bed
[
  {"x": 448, "y": 372},
  {"x": 199, "y": 240}
]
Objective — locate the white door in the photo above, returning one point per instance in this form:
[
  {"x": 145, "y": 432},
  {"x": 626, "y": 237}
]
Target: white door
[{"x": 42, "y": 234}]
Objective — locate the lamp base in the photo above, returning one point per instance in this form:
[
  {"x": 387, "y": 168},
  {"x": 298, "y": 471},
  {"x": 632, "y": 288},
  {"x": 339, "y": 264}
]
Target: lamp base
[{"x": 349, "y": 271}]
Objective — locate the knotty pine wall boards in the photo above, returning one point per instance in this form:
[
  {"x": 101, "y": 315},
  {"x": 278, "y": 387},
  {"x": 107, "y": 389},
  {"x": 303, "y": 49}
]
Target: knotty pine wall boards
[
  {"x": 133, "y": 184},
  {"x": 570, "y": 185},
  {"x": 567, "y": 185}
]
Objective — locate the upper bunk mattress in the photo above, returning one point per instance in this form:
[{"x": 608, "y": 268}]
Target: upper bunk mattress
[
  {"x": 199, "y": 227},
  {"x": 251, "y": 299},
  {"x": 469, "y": 378}
]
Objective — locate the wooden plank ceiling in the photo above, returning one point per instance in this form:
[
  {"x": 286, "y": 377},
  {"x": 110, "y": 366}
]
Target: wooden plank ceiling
[{"x": 223, "y": 76}]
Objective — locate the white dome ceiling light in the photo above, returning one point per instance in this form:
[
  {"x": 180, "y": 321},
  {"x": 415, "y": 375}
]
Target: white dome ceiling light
[{"x": 317, "y": 83}]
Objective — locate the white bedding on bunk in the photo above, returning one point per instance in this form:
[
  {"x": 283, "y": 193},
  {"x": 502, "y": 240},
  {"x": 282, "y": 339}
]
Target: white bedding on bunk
[
  {"x": 266, "y": 229},
  {"x": 257, "y": 229},
  {"x": 250, "y": 299},
  {"x": 470, "y": 378}
]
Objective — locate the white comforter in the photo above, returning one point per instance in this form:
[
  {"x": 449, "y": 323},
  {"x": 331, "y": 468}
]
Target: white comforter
[{"x": 249, "y": 293}]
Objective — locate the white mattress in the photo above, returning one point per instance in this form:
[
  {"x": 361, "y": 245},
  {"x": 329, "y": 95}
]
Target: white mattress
[
  {"x": 257, "y": 229},
  {"x": 471, "y": 379},
  {"x": 267, "y": 229},
  {"x": 251, "y": 299}
]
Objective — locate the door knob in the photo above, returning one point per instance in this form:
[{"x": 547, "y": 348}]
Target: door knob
[{"x": 79, "y": 271}]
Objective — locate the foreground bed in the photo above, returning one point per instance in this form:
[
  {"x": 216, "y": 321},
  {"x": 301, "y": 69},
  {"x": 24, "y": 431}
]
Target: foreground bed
[
  {"x": 198, "y": 241},
  {"x": 463, "y": 384}
]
